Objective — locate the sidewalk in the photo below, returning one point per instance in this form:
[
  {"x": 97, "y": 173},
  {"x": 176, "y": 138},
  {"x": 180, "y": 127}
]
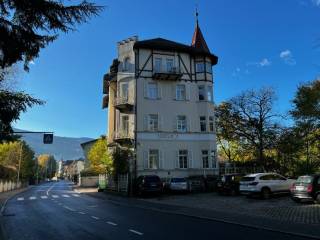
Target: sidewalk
[
  {"x": 4, "y": 196},
  {"x": 221, "y": 215}
]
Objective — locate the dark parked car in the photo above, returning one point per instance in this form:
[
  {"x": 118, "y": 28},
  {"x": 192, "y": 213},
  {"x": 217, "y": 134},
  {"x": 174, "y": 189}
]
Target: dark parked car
[
  {"x": 196, "y": 184},
  {"x": 211, "y": 182},
  {"x": 229, "y": 184},
  {"x": 148, "y": 184},
  {"x": 306, "y": 188}
]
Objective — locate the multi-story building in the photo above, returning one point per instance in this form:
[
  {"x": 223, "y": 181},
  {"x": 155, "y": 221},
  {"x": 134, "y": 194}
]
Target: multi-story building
[{"x": 159, "y": 95}]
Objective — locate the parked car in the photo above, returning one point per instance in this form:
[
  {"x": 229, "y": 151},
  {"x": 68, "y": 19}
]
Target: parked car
[
  {"x": 148, "y": 184},
  {"x": 178, "y": 184},
  {"x": 229, "y": 184},
  {"x": 196, "y": 184},
  {"x": 211, "y": 182},
  {"x": 306, "y": 188},
  {"x": 265, "y": 184}
]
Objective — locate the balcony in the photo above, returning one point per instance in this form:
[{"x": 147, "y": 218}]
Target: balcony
[
  {"x": 124, "y": 137},
  {"x": 168, "y": 75},
  {"x": 124, "y": 104}
]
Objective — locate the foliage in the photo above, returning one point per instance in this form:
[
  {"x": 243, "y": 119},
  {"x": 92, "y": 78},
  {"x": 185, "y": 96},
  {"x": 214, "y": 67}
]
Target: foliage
[
  {"x": 89, "y": 172},
  {"x": 11, "y": 105},
  {"x": 47, "y": 166},
  {"x": 99, "y": 157},
  {"x": 10, "y": 153},
  {"x": 247, "y": 124},
  {"x": 27, "y": 26},
  {"x": 121, "y": 157}
]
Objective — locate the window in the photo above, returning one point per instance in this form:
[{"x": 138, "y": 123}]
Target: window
[
  {"x": 208, "y": 67},
  {"x": 152, "y": 90},
  {"x": 157, "y": 65},
  {"x": 153, "y": 158},
  {"x": 181, "y": 92},
  {"x": 205, "y": 158},
  {"x": 170, "y": 65},
  {"x": 209, "y": 94},
  {"x": 199, "y": 67},
  {"x": 201, "y": 93},
  {"x": 183, "y": 158},
  {"x": 181, "y": 123},
  {"x": 213, "y": 159},
  {"x": 125, "y": 124},
  {"x": 203, "y": 124},
  {"x": 124, "y": 90},
  {"x": 126, "y": 64},
  {"x": 211, "y": 124},
  {"x": 153, "y": 122},
  {"x": 266, "y": 177}
]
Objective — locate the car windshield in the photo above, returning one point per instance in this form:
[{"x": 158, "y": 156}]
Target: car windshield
[
  {"x": 152, "y": 179},
  {"x": 247, "y": 179},
  {"x": 177, "y": 180},
  {"x": 305, "y": 179}
]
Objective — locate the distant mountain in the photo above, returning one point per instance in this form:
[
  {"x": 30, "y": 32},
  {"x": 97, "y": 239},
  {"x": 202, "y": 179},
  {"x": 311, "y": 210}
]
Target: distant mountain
[{"x": 65, "y": 148}]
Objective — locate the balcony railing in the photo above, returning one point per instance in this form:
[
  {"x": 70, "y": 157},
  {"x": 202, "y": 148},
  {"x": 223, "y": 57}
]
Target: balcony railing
[
  {"x": 124, "y": 137},
  {"x": 172, "y": 74},
  {"x": 124, "y": 104}
]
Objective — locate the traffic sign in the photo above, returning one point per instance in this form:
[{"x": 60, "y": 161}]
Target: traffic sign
[{"x": 47, "y": 138}]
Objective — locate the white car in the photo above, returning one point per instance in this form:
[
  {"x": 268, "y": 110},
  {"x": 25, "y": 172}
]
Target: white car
[
  {"x": 265, "y": 184},
  {"x": 178, "y": 184}
]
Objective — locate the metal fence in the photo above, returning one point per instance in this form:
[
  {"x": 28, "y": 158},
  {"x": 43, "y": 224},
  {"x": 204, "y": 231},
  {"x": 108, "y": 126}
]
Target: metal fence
[
  {"x": 9, "y": 185},
  {"x": 119, "y": 184}
]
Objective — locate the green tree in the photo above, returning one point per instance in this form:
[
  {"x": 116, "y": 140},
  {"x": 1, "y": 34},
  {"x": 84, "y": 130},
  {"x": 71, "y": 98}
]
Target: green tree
[
  {"x": 27, "y": 26},
  {"x": 47, "y": 166},
  {"x": 99, "y": 157}
]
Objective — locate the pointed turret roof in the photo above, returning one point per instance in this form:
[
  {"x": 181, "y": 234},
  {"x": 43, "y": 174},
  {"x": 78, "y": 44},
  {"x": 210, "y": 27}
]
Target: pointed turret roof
[{"x": 198, "y": 39}]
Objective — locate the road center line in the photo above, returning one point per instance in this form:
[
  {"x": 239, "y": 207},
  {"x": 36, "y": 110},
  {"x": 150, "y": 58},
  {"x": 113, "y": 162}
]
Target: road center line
[
  {"x": 32, "y": 198},
  {"x": 112, "y": 223},
  {"x": 136, "y": 232},
  {"x": 44, "y": 197},
  {"x": 71, "y": 209},
  {"x": 81, "y": 213},
  {"x": 20, "y": 198},
  {"x": 94, "y": 217}
]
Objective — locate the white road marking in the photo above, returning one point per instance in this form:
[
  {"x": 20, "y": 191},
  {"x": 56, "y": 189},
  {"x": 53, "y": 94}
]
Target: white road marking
[
  {"x": 136, "y": 232},
  {"x": 55, "y": 196},
  {"x": 32, "y": 198},
  {"x": 76, "y": 195},
  {"x": 65, "y": 195},
  {"x": 71, "y": 209},
  {"x": 44, "y": 197},
  {"x": 94, "y": 217},
  {"x": 112, "y": 223},
  {"x": 81, "y": 213},
  {"x": 20, "y": 198}
]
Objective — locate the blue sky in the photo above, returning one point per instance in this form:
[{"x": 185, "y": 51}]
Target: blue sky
[{"x": 259, "y": 43}]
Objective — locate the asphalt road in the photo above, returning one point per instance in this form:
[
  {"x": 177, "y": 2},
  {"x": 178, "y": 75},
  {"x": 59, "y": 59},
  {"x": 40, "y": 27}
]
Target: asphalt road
[{"x": 54, "y": 211}]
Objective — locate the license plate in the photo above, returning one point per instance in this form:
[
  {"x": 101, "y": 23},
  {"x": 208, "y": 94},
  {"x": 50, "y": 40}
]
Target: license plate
[{"x": 299, "y": 188}]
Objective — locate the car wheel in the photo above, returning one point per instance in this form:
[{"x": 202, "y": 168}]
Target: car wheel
[
  {"x": 265, "y": 193},
  {"x": 318, "y": 198}
]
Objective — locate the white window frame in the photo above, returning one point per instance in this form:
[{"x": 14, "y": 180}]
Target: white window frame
[
  {"x": 203, "y": 122},
  {"x": 169, "y": 60},
  {"x": 205, "y": 159},
  {"x": 123, "y": 130},
  {"x": 158, "y": 65},
  {"x": 124, "y": 94},
  {"x": 153, "y": 158},
  {"x": 213, "y": 158},
  {"x": 203, "y": 90},
  {"x": 150, "y": 94},
  {"x": 211, "y": 124},
  {"x": 209, "y": 93},
  {"x": 183, "y": 158},
  {"x": 182, "y": 124},
  {"x": 126, "y": 64},
  {"x": 181, "y": 88},
  {"x": 153, "y": 124}
]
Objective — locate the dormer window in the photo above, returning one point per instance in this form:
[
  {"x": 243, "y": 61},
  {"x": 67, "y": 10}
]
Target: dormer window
[
  {"x": 199, "y": 67},
  {"x": 169, "y": 65}
]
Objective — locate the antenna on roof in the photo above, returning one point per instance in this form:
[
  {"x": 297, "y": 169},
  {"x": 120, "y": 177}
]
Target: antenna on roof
[{"x": 197, "y": 13}]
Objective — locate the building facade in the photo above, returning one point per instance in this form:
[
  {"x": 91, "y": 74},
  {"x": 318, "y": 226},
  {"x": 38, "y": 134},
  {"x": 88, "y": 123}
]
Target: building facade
[{"x": 159, "y": 95}]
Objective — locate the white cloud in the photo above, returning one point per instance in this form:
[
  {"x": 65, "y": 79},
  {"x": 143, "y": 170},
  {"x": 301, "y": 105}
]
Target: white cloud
[
  {"x": 264, "y": 62},
  {"x": 32, "y": 62},
  {"x": 287, "y": 57}
]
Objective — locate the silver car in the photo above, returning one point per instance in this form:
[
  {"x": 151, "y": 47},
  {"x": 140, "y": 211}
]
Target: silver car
[{"x": 178, "y": 184}]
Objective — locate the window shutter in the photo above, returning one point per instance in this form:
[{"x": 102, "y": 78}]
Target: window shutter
[
  {"x": 188, "y": 91},
  {"x": 188, "y": 124},
  {"x": 177, "y": 159},
  {"x": 145, "y": 89},
  {"x": 145, "y": 160},
  {"x": 190, "y": 159},
  {"x": 175, "y": 123},
  {"x": 159, "y": 93},
  {"x": 145, "y": 122},
  {"x": 161, "y": 163},
  {"x": 174, "y": 92}
]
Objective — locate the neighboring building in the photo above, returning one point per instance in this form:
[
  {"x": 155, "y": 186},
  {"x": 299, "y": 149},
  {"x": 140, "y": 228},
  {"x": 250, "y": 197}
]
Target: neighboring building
[
  {"x": 60, "y": 168},
  {"x": 86, "y": 146},
  {"x": 159, "y": 95},
  {"x": 72, "y": 169}
]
